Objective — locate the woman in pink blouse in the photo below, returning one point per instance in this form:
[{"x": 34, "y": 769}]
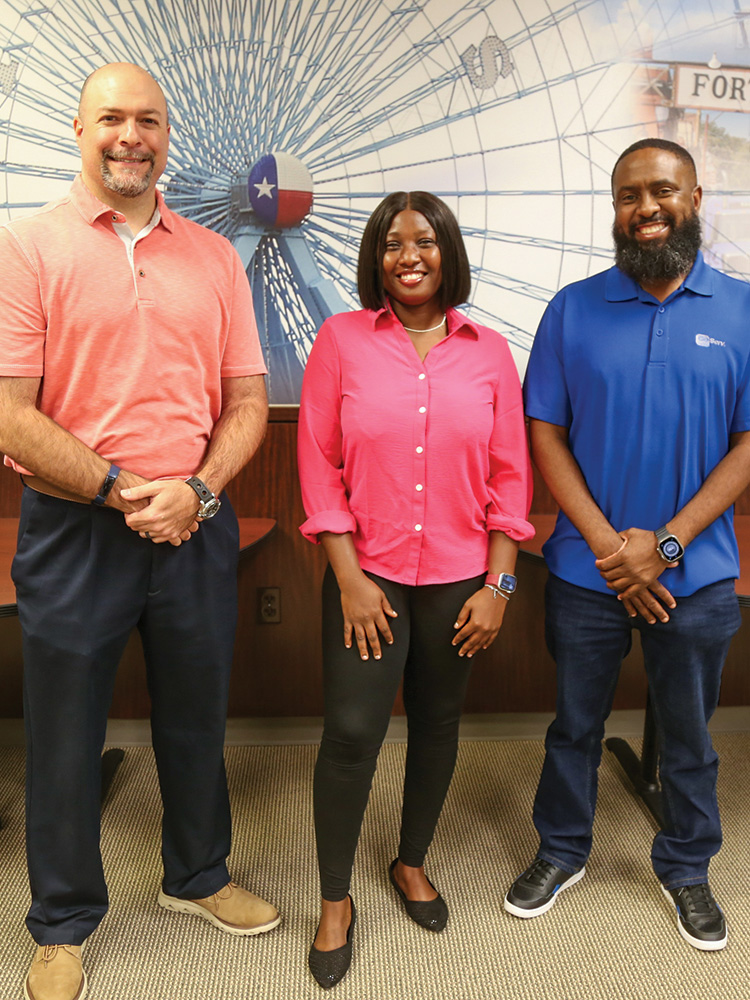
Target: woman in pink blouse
[{"x": 415, "y": 479}]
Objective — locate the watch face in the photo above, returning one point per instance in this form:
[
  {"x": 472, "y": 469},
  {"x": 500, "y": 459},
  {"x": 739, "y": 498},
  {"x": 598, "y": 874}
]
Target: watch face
[
  {"x": 209, "y": 508},
  {"x": 671, "y": 549},
  {"x": 507, "y": 583}
]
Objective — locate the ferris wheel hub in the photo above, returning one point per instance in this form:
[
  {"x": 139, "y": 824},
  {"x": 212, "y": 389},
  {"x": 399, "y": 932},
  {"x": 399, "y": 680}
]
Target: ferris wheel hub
[{"x": 280, "y": 188}]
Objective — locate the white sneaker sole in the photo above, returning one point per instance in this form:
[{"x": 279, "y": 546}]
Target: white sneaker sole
[
  {"x": 518, "y": 911},
  {"x": 695, "y": 942},
  {"x": 196, "y": 910}
]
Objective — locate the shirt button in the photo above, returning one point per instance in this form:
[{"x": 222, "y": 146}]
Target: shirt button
[
  {"x": 419, "y": 487},
  {"x": 417, "y": 527},
  {"x": 142, "y": 274},
  {"x": 420, "y": 449},
  {"x": 659, "y": 333},
  {"x": 422, "y": 376},
  {"x": 114, "y": 218},
  {"x": 661, "y": 309},
  {"x": 423, "y": 409}
]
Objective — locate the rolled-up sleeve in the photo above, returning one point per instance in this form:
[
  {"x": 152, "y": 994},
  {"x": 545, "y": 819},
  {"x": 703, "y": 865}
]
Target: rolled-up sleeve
[
  {"x": 319, "y": 443},
  {"x": 510, "y": 481}
]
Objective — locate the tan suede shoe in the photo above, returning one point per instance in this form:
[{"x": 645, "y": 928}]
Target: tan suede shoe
[
  {"x": 56, "y": 974},
  {"x": 231, "y": 909}
]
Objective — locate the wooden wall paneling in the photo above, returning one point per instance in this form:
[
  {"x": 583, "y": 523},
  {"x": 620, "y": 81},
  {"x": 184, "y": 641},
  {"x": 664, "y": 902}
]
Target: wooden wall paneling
[
  {"x": 277, "y": 668},
  {"x": 11, "y": 488}
]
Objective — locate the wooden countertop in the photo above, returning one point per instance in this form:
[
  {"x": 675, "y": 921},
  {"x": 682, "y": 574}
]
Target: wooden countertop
[{"x": 252, "y": 531}]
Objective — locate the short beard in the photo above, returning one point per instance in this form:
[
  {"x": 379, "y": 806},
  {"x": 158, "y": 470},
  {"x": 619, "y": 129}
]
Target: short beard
[
  {"x": 653, "y": 262},
  {"x": 127, "y": 185}
]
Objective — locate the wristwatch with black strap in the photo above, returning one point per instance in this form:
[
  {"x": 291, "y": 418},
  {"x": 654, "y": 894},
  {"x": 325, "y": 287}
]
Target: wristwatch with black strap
[{"x": 209, "y": 502}]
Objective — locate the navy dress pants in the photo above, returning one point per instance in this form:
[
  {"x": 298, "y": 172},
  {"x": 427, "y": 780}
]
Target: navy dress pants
[
  {"x": 83, "y": 581},
  {"x": 588, "y": 635}
]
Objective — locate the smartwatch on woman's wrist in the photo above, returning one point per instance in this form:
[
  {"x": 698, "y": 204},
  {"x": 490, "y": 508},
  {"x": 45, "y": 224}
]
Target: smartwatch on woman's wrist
[{"x": 505, "y": 582}]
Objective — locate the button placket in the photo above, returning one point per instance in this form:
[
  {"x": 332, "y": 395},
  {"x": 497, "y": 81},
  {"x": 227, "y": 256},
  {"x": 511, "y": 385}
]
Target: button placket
[
  {"x": 419, "y": 464},
  {"x": 659, "y": 337}
]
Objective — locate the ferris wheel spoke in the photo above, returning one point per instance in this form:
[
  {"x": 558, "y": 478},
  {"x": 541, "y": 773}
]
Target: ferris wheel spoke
[
  {"x": 517, "y": 239},
  {"x": 373, "y": 122},
  {"x": 506, "y": 283}
]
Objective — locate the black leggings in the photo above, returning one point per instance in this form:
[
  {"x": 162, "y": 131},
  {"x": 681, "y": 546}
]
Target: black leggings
[{"x": 359, "y": 697}]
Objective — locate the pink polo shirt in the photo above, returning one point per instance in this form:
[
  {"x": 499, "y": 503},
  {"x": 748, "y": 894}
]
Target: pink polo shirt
[
  {"x": 131, "y": 342},
  {"x": 418, "y": 459}
]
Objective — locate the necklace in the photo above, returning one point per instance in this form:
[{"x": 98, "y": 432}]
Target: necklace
[{"x": 430, "y": 329}]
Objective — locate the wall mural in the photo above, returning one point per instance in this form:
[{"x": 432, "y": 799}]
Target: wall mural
[{"x": 293, "y": 118}]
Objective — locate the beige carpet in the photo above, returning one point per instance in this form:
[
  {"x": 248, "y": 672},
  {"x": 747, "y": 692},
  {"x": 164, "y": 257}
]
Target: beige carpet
[{"x": 612, "y": 937}]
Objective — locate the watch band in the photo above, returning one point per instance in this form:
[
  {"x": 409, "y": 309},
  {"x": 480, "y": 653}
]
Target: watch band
[
  {"x": 204, "y": 493},
  {"x": 109, "y": 482},
  {"x": 503, "y": 582}
]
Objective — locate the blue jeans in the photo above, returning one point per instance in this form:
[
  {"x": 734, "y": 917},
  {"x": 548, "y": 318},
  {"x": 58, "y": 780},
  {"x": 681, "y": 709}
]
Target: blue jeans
[{"x": 588, "y": 635}]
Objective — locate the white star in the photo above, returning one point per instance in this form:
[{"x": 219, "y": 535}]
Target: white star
[{"x": 264, "y": 189}]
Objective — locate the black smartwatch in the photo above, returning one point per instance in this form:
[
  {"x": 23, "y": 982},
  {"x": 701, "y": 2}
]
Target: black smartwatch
[
  {"x": 106, "y": 487},
  {"x": 668, "y": 545},
  {"x": 209, "y": 502}
]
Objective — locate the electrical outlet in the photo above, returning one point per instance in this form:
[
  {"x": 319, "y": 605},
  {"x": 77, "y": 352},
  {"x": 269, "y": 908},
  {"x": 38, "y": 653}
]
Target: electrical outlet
[{"x": 269, "y": 605}]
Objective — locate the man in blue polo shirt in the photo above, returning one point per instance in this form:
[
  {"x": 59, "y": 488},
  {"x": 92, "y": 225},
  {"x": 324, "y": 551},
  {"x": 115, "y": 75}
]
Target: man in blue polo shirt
[{"x": 638, "y": 394}]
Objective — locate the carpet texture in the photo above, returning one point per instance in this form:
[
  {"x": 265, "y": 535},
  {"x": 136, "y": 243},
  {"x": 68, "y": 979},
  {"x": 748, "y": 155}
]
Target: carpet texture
[{"x": 611, "y": 937}]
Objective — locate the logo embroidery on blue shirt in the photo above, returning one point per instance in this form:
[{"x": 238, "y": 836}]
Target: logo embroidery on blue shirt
[{"x": 703, "y": 340}]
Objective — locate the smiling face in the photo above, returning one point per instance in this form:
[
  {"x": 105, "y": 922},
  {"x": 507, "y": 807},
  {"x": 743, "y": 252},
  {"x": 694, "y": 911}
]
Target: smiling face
[
  {"x": 122, "y": 132},
  {"x": 412, "y": 271},
  {"x": 654, "y": 193}
]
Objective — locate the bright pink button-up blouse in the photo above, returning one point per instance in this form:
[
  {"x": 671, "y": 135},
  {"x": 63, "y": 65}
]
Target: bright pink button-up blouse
[{"x": 418, "y": 459}]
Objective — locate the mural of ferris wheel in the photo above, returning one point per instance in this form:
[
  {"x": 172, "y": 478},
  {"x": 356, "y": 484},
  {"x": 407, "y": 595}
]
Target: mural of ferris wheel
[{"x": 293, "y": 118}]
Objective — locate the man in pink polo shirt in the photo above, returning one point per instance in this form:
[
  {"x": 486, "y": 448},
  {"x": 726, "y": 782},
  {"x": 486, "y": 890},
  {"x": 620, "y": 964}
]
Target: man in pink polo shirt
[{"x": 131, "y": 392}]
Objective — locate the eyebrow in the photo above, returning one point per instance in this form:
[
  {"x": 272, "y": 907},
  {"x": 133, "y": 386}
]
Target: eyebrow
[{"x": 142, "y": 111}]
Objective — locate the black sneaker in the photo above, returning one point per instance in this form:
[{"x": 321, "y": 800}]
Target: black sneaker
[
  {"x": 535, "y": 891},
  {"x": 699, "y": 918}
]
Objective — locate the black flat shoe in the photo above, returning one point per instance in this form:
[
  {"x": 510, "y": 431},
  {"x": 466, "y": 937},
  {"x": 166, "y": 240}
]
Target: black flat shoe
[
  {"x": 330, "y": 967},
  {"x": 431, "y": 913}
]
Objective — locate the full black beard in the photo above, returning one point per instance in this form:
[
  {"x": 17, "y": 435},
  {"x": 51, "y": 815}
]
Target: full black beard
[{"x": 651, "y": 262}]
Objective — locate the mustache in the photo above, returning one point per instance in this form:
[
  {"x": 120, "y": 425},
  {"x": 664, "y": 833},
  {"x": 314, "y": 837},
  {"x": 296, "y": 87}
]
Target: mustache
[
  {"x": 111, "y": 154},
  {"x": 669, "y": 219}
]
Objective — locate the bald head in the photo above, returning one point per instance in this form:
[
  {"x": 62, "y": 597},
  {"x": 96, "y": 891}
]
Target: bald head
[{"x": 120, "y": 71}]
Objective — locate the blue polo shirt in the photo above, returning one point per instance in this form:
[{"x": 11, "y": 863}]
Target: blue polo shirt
[{"x": 650, "y": 392}]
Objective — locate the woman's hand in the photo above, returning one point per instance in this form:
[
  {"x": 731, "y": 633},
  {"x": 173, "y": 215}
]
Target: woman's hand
[
  {"x": 365, "y": 607},
  {"x": 479, "y": 621}
]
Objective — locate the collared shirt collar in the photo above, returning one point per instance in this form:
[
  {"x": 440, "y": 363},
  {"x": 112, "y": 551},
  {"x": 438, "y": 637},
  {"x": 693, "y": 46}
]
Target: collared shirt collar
[
  {"x": 457, "y": 322},
  {"x": 91, "y": 208},
  {"x": 620, "y": 287}
]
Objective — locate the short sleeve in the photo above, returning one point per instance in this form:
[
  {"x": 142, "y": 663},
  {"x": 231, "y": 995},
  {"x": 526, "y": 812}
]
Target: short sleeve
[
  {"x": 545, "y": 389},
  {"x": 243, "y": 354},
  {"x": 23, "y": 323}
]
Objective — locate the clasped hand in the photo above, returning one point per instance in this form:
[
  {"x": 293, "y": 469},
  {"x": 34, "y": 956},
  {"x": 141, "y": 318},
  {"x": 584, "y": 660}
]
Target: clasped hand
[
  {"x": 633, "y": 573},
  {"x": 170, "y": 512},
  {"x": 366, "y": 611}
]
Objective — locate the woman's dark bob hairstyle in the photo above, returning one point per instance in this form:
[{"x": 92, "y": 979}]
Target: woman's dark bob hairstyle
[{"x": 455, "y": 264}]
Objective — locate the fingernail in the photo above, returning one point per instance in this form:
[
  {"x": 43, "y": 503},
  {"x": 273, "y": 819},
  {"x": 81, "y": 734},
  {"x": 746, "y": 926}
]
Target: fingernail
[
  {"x": 377, "y": 656},
  {"x": 456, "y": 625},
  {"x": 365, "y": 657}
]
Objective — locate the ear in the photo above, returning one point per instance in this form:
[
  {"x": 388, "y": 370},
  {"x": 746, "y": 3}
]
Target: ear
[
  {"x": 77, "y": 127},
  {"x": 697, "y": 197}
]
